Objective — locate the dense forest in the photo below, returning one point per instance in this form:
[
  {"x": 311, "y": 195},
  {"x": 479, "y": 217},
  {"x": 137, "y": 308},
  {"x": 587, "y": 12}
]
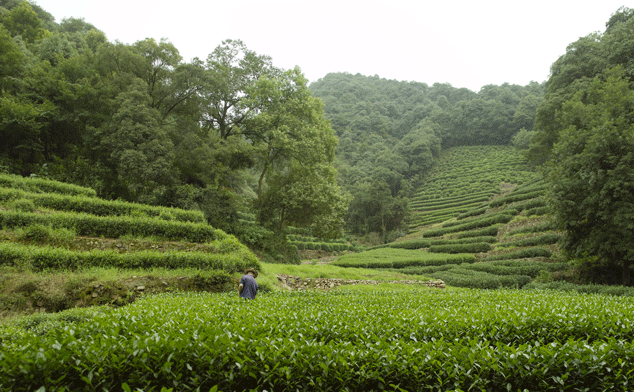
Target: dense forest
[
  {"x": 232, "y": 133},
  {"x": 228, "y": 134},
  {"x": 258, "y": 150}
]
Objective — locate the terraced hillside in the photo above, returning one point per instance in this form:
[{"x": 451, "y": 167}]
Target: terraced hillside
[
  {"x": 50, "y": 227},
  {"x": 466, "y": 178},
  {"x": 507, "y": 241}
]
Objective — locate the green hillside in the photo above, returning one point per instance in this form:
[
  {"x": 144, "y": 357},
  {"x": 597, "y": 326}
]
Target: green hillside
[
  {"x": 52, "y": 229},
  {"x": 466, "y": 178},
  {"x": 480, "y": 221}
]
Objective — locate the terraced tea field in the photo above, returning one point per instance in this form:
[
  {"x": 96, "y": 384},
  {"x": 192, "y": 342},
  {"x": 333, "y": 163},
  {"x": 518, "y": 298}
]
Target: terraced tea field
[
  {"x": 466, "y": 178},
  {"x": 459, "y": 340}
]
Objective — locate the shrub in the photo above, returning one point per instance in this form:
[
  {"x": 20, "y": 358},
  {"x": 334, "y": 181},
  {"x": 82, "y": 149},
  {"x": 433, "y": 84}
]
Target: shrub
[
  {"x": 115, "y": 227},
  {"x": 480, "y": 223},
  {"x": 476, "y": 247},
  {"x": 545, "y": 239},
  {"x": 471, "y": 213},
  {"x": 522, "y": 254}
]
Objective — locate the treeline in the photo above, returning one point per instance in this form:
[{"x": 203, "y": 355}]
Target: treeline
[
  {"x": 391, "y": 133},
  {"x": 135, "y": 122},
  {"x": 584, "y": 133}
]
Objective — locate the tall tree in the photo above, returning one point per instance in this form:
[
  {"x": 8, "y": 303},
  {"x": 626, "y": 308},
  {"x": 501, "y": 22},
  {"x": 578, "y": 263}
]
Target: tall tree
[{"x": 592, "y": 177}]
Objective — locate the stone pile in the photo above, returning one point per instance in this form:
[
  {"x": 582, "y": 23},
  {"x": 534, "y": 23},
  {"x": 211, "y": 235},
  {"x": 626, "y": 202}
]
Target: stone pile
[{"x": 290, "y": 282}]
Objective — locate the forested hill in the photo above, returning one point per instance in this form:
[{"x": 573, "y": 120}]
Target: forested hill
[{"x": 391, "y": 132}]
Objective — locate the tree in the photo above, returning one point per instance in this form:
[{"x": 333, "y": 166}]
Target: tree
[
  {"x": 231, "y": 70},
  {"x": 137, "y": 145},
  {"x": 584, "y": 59},
  {"x": 294, "y": 149},
  {"x": 592, "y": 177}
]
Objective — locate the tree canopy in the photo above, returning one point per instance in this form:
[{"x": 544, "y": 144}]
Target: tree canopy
[{"x": 586, "y": 132}]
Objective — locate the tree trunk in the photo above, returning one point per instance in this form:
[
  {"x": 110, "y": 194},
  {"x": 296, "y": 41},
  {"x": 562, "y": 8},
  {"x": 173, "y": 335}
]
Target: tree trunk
[{"x": 626, "y": 274}]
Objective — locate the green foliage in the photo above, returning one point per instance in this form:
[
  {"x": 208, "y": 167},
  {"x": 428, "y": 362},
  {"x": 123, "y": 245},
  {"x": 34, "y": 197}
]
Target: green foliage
[
  {"x": 42, "y": 258},
  {"x": 544, "y": 239},
  {"x": 481, "y": 280},
  {"x": 114, "y": 227},
  {"x": 459, "y": 339},
  {"x": 470, "y": 213},
  {"x": 484, "y": 222},
  {"x": 487, "y": 231},
  {"x": 399, "y": 258},
  {"x": 587, "y": 58},
  {"x": 592, "y": 178},
  {"x": 583, "y": 288},
  {"x": 96, "y": 206},
  {"x": 522, "y": 254},
  {"x": 512, "y": 197},
  {"x": 476, "y": 247},
  {"x": 41, "y": 185},
  {"x": 40, "y": 234}
]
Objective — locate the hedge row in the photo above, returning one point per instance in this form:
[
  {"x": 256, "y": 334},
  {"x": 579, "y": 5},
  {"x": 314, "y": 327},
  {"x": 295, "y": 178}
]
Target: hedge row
[
  {"x": 533, "y": 203},
  {"x": 510, "y": 198},
  {"x": 522, "y": 254},
  {"x": 487, "y": 231},
  {"x": 50, "y": 258},
  {"x": 300, "y": 238},
  {"x": 400, "y": 258},
  {"x": 537, "y": 211},
  {"x": 114, "y": 227},
  {"x": 512, "y": 212},
  {"x": 545, "y": 239},
  {"x": 100, "y": 207},
  {"x": 623, "y": 291},
  {"x": 476, "y": 212},
  {"x": 480, "y": 223},
  {"x": 40, "y": 185},
  {"x": 516, "y": 267},
  {"x": 475, "y": 247},
  {"x": 467, "y": 196},
  {"x": 499, "y": 267},
  {"x": 546, "y": 226},
  {"x": 480, "y": 280},
  {"x": 325, "y": 246},
  {"x": 447, "y": 204},
  {"x": 425, "y": 243}
]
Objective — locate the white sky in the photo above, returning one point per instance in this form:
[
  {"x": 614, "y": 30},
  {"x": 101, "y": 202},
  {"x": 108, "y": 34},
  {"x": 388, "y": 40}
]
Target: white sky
[{"x": 464, "y": 43}]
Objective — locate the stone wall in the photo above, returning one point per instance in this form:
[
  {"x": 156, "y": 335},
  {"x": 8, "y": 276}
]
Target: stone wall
[{"x": 290, "y": 282}]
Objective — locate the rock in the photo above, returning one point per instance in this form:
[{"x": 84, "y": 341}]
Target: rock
[{"x": 140, "y": 288}]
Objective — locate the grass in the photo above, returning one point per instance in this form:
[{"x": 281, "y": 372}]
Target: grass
[{"x": 269, "y": 272}]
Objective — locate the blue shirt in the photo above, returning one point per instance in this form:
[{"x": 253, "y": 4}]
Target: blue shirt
[{"x": 249, "y": 287}]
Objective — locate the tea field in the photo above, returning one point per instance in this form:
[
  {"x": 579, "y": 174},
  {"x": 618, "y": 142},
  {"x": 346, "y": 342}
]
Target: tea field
[{"x": 430, "y": 340}]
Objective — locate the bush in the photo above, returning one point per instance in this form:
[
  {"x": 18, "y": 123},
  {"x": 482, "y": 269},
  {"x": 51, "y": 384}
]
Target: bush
[
  {"x": 522, "y": 254},
  {"x": 546, "y": 239},
  {"x": 40, "y": 185},
  {"x": 537, "y": 211},
  {"x": 480, "y": 280},
  {"x": 47, "y": 258},
  {"x": 476, "y": 247},
  {"x": 623, "y": 291},
  {"x": 115, "y": 227},
  {"x": 484, "y": 222},
  {"x": 487, "y": 231},
  {"x": 471, "y": 213}
]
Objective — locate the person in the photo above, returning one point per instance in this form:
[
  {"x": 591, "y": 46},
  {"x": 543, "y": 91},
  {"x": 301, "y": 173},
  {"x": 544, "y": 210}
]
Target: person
[{"x": 248, "y": 286}]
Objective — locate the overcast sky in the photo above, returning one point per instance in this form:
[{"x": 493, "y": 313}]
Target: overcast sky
[{"x": 464, "y": 43}]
